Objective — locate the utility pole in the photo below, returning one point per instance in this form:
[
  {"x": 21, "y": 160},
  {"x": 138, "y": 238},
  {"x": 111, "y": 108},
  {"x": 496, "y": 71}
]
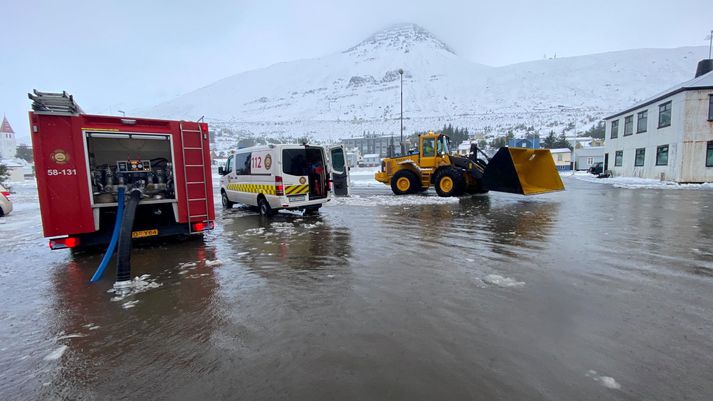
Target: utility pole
[
  {"x": 710, "y": 43},
  {"x": 401, "y": 73}
]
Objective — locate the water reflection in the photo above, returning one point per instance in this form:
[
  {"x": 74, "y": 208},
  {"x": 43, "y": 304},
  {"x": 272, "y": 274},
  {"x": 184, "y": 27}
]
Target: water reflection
[
  {"x": 287, "y": 240},
  {"x": 171, "y": 322},
  {"x": 505, "y": 226}
]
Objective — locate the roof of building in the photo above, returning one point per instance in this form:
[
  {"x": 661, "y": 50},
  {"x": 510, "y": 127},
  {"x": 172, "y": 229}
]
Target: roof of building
[
  {"x": 560, "y": 150},
  {"x": 705, "y": 81},
  {"x": 5, "y": 127}
]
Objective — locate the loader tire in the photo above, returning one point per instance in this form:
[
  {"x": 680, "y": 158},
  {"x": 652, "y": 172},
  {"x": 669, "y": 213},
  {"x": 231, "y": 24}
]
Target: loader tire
[
  {"x": 404, "y": 182},
  {"x": 449, "y": 182}
]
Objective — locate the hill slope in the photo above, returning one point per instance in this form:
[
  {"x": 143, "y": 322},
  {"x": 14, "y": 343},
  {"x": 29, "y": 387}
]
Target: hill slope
[{"x": 344, "y": 94}]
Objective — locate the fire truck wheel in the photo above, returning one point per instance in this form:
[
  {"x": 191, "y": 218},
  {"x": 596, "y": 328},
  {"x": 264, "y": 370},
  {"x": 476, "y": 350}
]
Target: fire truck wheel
[
  {"x": 227, "y": 204},
  {"x": 265, "y": 209}
]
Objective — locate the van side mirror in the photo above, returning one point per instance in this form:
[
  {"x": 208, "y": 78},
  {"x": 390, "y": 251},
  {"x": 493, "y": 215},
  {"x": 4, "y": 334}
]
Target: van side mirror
[{"x": 221, "y": 171}]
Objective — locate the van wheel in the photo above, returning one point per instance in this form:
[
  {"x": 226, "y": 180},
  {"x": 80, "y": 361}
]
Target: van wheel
[
  {"x": 227, "y": 204},
  {"x": 264, "y": 207}
]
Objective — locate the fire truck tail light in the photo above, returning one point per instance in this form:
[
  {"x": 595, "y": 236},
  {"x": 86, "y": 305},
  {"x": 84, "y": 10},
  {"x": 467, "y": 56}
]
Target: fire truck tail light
[
  {"x": 63, "y": 243},
  {"x": 279, "y": 186},
  {"x": 204, "y": 127},
  {"x": 202, "y": 226}
]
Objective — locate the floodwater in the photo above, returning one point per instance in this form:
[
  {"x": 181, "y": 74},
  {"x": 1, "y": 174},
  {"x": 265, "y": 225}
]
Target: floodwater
[{"x": 589, "y": 294}]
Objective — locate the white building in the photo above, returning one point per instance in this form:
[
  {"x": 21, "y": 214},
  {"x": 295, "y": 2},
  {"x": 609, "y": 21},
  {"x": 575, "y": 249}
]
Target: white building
[
  {"x": 372, "y": 160},
  {"x": 668, "y": 136},
  {"x": 562, "y": 158},
  {"x": 8, "y": 146},
  {"x": 585, "y": 157}
]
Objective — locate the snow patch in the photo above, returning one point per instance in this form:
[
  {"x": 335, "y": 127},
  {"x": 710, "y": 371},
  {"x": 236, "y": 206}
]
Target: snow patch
[
  {"x": 136, "y": 286},
  {"x": 393, "y": 200},
  {"x": 210, "y": 263},
  {"x": 605, "y": 381},
  {"x": 639, "y": 183},
  {"x": 500, "y": 281},
  {"x": 129, "y": 304},
  {"x": 56, "y": 354}
]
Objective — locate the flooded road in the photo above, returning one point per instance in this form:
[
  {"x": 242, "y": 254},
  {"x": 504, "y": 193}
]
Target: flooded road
[{"x": 588, "y": 294}]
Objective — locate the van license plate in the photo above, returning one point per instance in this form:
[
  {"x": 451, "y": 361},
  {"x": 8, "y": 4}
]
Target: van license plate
[
  {"x": 298, "y": 198},
  {"x": 144, "y": 233}
]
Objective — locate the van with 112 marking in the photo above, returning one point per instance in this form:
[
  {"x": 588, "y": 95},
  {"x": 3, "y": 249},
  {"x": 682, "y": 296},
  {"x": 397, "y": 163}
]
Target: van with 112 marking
[{"x": 291, "y": 177}]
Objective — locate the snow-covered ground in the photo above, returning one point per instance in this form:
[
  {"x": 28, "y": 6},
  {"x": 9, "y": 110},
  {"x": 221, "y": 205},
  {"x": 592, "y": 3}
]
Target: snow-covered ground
[{"x": 636, "y": 183}]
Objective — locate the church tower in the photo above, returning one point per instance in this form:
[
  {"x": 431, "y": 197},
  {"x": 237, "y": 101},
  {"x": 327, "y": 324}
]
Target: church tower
[{"x": 8, "y": 146}]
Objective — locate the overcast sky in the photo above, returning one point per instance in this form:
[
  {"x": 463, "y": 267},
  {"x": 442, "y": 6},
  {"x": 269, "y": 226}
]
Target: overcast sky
[{"x": 132, "y": 54}]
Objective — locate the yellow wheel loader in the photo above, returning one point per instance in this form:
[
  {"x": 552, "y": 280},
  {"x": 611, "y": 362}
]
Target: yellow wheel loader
[{"x": 514, "y": 170}]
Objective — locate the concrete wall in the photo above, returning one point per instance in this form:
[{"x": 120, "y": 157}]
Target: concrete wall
[{"x": 697, "y": 132}]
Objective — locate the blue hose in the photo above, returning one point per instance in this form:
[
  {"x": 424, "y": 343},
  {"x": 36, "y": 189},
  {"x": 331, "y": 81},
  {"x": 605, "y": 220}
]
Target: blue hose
[{"x": 114, "y": 238}]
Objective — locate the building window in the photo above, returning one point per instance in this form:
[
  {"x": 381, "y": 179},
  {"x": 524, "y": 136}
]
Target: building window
[
  {"x": 662, "y": 155},
  {"x": 614, "y": 129},
  {"x": 640, "y": 157},
  {"x": 619, "y": 158},
  {"x": 590, "y": 160},
  {"x": 710, "y": 107},
  {"x": 709, "y": 154},
  {"x": 642, "y": 119},
  {"x": 665, "y": 114},
  {"x": 628, "y": 125}
]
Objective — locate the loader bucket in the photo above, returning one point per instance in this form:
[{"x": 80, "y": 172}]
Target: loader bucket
[{"x": 522, "y": 171}]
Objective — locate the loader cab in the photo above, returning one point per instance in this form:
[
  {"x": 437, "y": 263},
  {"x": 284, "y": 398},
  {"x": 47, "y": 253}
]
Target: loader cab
[{"x": 431, "y": 147}]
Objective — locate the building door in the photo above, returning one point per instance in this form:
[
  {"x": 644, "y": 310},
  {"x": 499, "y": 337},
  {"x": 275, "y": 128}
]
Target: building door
[{"x": 606, "y": 161}]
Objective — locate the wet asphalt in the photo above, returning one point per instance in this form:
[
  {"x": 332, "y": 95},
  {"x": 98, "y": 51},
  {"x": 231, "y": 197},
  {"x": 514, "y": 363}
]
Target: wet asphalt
[{"x": 589, "y": 294}]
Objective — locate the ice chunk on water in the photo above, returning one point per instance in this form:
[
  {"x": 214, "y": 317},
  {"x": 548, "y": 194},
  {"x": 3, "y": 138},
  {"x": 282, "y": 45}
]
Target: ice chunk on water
[
  {"x": 56, "y": 354},
  {"x": 609, "y": 382},
  {"x": 215, "y": 262},
  {"x": 500, "y": 281},
  {"x": 605, "y": 381}
]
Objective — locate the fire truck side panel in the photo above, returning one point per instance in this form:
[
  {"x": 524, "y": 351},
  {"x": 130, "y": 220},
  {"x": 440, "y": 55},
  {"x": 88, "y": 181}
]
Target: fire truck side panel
[{"x": 61, "y": 171}]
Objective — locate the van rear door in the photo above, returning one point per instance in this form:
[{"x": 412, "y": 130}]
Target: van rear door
[{"x": 339, "y": 170}]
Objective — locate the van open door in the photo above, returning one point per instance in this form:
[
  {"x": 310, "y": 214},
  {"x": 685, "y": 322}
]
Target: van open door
[{"x": 339, "y": 170}]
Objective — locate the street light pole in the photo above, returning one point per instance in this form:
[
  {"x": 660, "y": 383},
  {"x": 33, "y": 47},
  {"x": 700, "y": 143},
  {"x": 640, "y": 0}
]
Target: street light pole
[{"x": 401, "y": 73}]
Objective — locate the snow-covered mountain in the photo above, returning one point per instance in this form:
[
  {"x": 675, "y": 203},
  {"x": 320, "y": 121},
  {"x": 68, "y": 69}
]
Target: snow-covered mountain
[{"x": 345, "y": 94}]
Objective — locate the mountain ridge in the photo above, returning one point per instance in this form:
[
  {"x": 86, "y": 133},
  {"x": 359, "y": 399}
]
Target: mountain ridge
[{"x": 358, "y": 89}]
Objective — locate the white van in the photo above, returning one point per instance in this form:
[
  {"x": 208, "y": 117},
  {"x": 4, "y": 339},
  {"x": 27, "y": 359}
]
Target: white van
[{"x": 292, "y": 177}]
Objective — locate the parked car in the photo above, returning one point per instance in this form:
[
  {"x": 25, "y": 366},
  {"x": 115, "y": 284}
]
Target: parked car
[
  {"x": 597, "y": 168},
  {"x": 5, "y": 202}
]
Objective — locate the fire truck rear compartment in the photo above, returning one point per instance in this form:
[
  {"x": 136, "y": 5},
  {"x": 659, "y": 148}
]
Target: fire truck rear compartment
[{"x": 134, "y": 161}]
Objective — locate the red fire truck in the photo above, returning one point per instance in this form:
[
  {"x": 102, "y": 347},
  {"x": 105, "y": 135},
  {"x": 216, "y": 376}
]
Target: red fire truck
[{"x": 82, "y": 160}]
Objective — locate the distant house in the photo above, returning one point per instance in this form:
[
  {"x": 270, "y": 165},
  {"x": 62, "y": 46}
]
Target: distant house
[
  {"x": 16, "y": 169},
  {"x": 668, "y": 136},
  {"x": 463, "y": 149},
  {"x": 372, "y": 160},
  {"x": 586, "y": 157},
  {"x": 562, "y": 158},
  {"x": 532, "y": 143},
  {"x": 370, "y": 144}
]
